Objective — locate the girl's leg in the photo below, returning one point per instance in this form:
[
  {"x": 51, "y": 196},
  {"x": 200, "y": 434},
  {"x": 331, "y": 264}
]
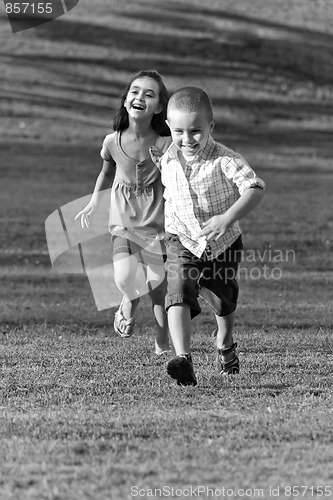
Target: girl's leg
[
  {"x": 125, "y": 271},
  {"x": 157, "y": 291}
]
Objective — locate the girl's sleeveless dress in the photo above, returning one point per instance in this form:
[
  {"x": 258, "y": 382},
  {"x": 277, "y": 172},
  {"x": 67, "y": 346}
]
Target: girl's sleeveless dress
[{"x": 136, "y": 210}]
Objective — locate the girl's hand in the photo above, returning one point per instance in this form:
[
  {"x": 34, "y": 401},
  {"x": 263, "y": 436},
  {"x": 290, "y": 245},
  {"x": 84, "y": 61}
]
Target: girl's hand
[
  {"x": 84, "y": 214},
  {"x": 156, "y": 155},
  {"x": 215, "y": 227}
]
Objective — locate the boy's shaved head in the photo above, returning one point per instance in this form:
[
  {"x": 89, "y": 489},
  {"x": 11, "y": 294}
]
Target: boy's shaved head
[{"x": 190, "y": 100}]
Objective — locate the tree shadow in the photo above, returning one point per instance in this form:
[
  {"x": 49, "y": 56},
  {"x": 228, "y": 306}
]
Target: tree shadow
[
  {"x": 260, "y": 60},
  {"x": 206, "y": 40}
]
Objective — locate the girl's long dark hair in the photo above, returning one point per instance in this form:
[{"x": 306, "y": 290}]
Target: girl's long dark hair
[{"x": 120, "y": 121}]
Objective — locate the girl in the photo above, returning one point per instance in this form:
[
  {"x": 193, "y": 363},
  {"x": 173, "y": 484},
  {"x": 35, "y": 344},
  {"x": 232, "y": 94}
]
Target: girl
[{"x": 136, "y": 220}]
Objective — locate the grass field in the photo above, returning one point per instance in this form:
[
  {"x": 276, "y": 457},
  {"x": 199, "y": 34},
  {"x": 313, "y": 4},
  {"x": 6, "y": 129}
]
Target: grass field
[{"x": 85, "y": 415}]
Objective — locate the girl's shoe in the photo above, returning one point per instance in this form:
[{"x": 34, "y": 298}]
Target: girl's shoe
[
  {"x": 230, "y": 367},
  {"x": 181, "y": 369},
  {"x": 122, "y": 326},
  {"x": 159, "y": 351}
]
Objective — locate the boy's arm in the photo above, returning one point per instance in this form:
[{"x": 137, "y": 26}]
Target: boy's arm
[{"x": 218, "y": 225}]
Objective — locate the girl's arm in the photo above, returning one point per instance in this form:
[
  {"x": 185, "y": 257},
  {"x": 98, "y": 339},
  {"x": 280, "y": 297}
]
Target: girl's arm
[
  {"x": 219, "y": 224},
  {"x": 104, "y": 181}
]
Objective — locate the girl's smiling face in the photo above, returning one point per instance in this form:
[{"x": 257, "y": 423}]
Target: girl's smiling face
[{"x": 143, "y": 98}]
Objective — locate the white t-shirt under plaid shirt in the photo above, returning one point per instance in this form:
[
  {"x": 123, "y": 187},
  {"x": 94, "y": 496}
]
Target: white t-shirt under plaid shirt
[{"x": 209, "y": 185}]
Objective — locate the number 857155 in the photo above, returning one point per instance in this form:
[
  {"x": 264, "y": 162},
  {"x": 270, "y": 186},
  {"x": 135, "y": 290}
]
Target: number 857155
[{"x": 29, "y": 8}]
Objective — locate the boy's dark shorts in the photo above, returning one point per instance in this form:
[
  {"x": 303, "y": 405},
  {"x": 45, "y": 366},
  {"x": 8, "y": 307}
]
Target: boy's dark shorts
[{"x": 214, "y": 280}]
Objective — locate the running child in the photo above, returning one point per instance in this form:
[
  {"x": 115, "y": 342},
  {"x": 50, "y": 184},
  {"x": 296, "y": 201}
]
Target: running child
[
  {"x": 208, "y": 188},
  {"x": 136, "y": 220}
]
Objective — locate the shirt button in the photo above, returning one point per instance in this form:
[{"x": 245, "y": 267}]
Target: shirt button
[{"x": 208, "y": 250}]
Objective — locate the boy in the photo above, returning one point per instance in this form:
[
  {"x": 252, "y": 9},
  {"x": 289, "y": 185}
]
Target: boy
[{"x": 208, "y": 188}]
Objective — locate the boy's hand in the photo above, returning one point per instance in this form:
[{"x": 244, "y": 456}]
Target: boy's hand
[{"x": 215, "y": 227}]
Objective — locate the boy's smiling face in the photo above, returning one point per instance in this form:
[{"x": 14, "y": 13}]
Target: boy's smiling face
[{"x": 189, "y": 130}]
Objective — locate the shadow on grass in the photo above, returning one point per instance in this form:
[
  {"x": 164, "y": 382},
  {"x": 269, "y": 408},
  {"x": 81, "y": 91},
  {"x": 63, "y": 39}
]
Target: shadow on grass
[{"x": 229, "y": 50}]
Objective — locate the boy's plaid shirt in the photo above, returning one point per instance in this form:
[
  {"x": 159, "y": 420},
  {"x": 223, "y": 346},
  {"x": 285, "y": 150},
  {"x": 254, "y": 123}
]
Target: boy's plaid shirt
[{"x": 208, "y": 186}]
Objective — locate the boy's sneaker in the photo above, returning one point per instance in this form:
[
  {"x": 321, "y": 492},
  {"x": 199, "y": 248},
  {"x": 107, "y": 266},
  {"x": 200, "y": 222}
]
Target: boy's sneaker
[
  {"x": 230, "y": 367},
  {"x": 181, "y": 369}
]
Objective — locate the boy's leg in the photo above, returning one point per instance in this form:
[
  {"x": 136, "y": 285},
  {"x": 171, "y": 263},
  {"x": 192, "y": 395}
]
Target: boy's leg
[
  {"x": 183, "y": 272},
  {"x": 227, "y": 362},
  {"x": 182, "y": 305},
  {"x": 179, "y": 318},
  {"x": 181, "y": 367},
  {"x": 225, "y": 325},
  {"x": 219, "y": 287}
]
